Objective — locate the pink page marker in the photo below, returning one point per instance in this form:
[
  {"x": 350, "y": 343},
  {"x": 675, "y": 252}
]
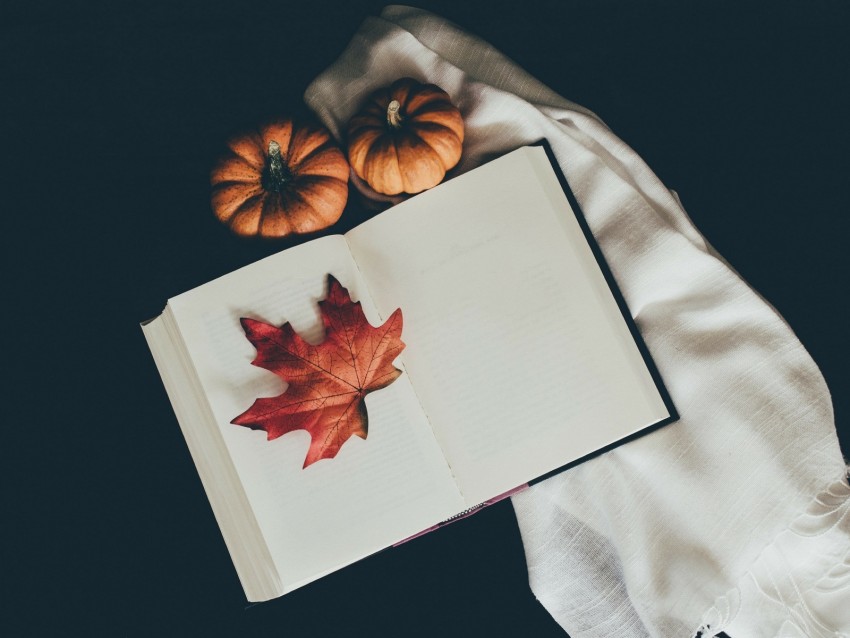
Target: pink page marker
[{"x": 465, "y": 513}]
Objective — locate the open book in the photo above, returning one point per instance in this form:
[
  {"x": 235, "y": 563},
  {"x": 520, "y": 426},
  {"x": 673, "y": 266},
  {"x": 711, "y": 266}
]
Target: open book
[{"x": 520, "y": 359}]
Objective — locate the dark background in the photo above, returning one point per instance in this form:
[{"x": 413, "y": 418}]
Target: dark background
[{"x": 111, "y": 116}]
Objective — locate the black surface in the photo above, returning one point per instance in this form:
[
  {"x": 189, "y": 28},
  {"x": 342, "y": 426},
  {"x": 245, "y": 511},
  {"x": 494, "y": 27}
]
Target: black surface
[{"x": 111, "y": 115}]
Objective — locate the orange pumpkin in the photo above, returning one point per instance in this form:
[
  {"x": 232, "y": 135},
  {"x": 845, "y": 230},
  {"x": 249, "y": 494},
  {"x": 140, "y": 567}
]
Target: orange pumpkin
[
  {"x": 283, "y": 178},
  {"x": 405, "y": 138}
]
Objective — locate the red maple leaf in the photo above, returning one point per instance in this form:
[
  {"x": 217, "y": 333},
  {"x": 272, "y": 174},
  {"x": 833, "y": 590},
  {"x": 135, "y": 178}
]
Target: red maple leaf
[{"x": 328, "y": 381}]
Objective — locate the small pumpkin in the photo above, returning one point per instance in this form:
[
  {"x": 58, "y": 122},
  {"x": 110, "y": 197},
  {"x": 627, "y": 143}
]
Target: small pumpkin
[
  {"x": 283, "y": 178},
  {"x": 405, "y": 137}
]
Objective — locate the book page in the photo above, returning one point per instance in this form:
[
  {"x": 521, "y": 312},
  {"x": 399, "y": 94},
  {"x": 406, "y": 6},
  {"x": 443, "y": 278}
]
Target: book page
[
  {"x": 375, "y": 491},
  {"x": 515, "y": 345}
]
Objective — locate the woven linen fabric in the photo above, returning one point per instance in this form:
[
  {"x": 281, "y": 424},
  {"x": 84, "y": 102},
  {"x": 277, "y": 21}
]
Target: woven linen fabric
[{"x": 733, "y": 519}]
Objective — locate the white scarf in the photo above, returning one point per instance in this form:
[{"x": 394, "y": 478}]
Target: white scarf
[{"x": 733, "y": 519}]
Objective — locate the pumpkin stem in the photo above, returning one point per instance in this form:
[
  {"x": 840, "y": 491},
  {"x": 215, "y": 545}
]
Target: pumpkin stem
[
  {"x": 393, "y": 116},
  {"x": 277, "y": 174}
]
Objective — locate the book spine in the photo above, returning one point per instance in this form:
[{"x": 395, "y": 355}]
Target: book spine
[{"x": 465, "y": 513}]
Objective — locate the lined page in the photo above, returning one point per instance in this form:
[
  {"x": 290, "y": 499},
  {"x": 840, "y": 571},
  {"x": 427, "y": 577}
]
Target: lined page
[
  {"x": 376, "y": 491},
  {"x": 515, "y": 345}
]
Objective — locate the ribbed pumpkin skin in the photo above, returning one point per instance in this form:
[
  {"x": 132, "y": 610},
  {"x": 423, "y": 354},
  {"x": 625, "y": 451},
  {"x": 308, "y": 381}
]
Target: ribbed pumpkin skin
[
  {"x": 307, "y": 193},
  {"x": 414, "y": 155}
]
